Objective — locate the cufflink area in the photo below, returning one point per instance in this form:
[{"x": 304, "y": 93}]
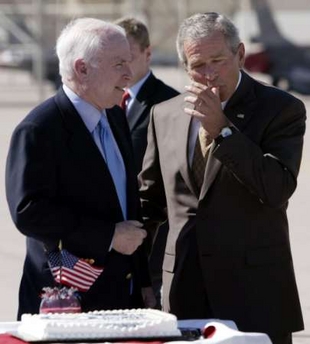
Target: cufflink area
[{"x": 225, "y": 132}]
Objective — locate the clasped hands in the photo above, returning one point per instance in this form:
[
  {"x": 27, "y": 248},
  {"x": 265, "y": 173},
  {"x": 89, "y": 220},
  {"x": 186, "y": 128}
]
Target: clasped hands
[
  {"x": 128, "y": 236},
  {"x": 207, "y": 107}
]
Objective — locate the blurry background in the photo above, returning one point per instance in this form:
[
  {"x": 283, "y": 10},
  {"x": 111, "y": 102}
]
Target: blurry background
[
  {"x": 29, "y": 74},
  {"x": 28, "y": 28}
]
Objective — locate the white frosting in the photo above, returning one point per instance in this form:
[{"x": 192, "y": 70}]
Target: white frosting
[{"x": 133, "y": 323}]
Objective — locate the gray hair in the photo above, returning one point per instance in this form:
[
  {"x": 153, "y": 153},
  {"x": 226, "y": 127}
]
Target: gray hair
[
  {"x": 83, "y": 38},
  {"x": 203, "y": 25}
]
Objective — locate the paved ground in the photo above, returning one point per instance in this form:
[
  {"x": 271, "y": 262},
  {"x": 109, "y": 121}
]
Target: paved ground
[{"x": 18, "y": 94}]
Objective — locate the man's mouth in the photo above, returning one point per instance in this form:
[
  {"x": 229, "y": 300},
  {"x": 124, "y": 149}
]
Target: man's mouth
[{"x": 120, "y": 89}]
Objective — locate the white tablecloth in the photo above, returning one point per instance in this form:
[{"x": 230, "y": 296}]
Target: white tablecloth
[{"x": 225, "y": 332}]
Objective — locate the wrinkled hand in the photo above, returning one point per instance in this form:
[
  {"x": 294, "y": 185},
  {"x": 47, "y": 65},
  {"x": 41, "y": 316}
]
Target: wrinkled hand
[
  {"x": 207, "y": 107},
  {"x": 148, "y": 297},
  {"x": 128, "y": 236}
]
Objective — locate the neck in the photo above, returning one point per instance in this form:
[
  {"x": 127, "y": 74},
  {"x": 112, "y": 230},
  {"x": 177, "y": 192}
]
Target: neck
[{"x": 81, "y": 92}]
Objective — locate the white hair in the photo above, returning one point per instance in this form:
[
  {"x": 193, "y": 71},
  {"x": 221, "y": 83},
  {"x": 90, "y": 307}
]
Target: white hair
[{"x": 83, "y": 38}]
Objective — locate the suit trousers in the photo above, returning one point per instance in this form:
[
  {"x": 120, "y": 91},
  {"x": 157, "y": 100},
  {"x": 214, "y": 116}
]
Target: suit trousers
[
  {"x": 286, "y": 339},
  {"x": 156, "y": 261},
  {"x": 188, "y": 298}
]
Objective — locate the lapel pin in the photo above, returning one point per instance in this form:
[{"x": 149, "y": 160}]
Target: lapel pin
[{"x": 240, "y": 115}]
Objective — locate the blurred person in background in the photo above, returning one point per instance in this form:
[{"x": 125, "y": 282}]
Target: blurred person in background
[
  {"x": 70, "y": 175},
  {"x": 223, "y": 159},
  {"x": 144, "y": 90}
]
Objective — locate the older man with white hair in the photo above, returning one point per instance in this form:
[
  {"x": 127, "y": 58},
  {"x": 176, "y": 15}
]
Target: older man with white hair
[{"x": 70, "y": 176}]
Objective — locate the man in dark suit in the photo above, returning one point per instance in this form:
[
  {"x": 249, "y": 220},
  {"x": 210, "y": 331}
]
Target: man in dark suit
[
  {"x": 59, "y": 178},
  {"x": 228, "y": 253},
  {"x": 144, "y": 90}
]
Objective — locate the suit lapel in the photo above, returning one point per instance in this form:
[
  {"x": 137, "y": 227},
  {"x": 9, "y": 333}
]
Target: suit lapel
[
  {"x": 183, "y": 123},
  {"x": 239, "y": 111},
  {"x": 140, "y": 103},
  {"x": 79, "y": 138},
  {"x": 135, "y": 112},
  {"x": 82, "y": 145},
  {"x": 240, "y": 107}
]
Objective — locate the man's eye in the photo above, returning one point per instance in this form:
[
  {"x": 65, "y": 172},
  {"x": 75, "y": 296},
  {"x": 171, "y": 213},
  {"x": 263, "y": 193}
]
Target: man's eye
[
  {"x": 218, "y": 60},
  {"x": 197, "y": 66}
]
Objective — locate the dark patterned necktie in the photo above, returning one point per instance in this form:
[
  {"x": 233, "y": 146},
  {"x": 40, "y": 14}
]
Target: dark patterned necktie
[{"x": 200, "y": 157}]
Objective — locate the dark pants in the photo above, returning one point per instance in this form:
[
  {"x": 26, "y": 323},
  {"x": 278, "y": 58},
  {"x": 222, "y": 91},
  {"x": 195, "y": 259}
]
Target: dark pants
[
  {"x": 287, "y": 339},
  {"x": 191, "y": 300},
  {"x": 156, "y": 261}
]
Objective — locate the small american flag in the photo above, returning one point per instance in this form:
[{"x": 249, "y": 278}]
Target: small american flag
[{"x": 72, "y": 271}]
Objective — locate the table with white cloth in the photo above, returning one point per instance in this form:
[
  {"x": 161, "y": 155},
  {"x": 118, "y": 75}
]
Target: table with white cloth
[{"x": 216, "y": 332}]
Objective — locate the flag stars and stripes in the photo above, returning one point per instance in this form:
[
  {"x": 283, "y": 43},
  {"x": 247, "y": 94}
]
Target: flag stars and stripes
[{"x": 72, "y": 271}]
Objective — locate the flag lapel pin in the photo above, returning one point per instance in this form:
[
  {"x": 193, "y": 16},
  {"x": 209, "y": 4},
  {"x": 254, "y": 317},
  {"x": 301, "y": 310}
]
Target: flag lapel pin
[{"x": 240, "y": 115}]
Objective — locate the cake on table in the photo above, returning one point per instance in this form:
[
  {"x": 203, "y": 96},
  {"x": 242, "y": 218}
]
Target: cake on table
[{"x": 133, "y": 323}]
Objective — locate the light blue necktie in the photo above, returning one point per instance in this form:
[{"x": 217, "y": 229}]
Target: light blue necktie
[{"x": 114, "y": 161}]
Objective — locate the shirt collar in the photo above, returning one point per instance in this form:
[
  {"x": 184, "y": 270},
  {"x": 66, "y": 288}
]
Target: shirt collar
[
  {"x": 88, "y": 113},
  {"x": 134, "y": 90},
  {"x": 238, "y": 83}
]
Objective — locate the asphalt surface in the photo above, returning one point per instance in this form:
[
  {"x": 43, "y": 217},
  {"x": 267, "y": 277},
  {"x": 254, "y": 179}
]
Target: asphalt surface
[{"x": 19, "y": 93}]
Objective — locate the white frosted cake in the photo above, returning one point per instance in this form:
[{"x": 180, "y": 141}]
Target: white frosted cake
[{"x": 133, "y": 323}]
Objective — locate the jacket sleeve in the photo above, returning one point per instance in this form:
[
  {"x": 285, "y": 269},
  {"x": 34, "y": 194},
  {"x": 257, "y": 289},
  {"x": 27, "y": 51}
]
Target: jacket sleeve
[
  {"x": 151, "y": 185},
  {"x": 268, "y": 169},
  {"x": 32, "y": 190}
]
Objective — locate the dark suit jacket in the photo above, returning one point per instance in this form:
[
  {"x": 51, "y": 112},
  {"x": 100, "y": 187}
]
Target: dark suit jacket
[
  {"x": 239, "y": 217},
  {"x": 153, "y": 91},
  {"x": 59, "y": 187}
]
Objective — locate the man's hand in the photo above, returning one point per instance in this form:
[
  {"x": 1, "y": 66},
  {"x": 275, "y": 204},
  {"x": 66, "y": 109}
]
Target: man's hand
[
  {"x": 148, "y": 297},
  {"x": 207, "y": 107},
  {"x": 128, "y": 236}
]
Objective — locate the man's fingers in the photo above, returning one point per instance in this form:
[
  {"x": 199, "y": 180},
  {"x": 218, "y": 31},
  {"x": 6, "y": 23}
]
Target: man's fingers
[
  {"x": 144, "y": 233},
  {"x": 135, "y": 223},
  {"x": 216, "y": 91},
  {"x": 191, "y": 99},
  {"x": 137, "y": 233},
  {"x": 194, "y": 113},
  {"x": 128, "y": 236}
]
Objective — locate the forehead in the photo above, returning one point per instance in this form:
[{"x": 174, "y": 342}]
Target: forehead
[
  {"x": 134, "y": 45},
  {"x": 214, "y": 44},
  {"x": 117, "y": 49}
]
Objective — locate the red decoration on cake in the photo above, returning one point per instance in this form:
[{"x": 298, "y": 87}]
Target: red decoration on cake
[{"x": 60, "y": 300}]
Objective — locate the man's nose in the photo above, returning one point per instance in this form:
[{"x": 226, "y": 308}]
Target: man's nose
[
  {"x": 128, "y": 72},
  {"x": 210, "y": 73}
]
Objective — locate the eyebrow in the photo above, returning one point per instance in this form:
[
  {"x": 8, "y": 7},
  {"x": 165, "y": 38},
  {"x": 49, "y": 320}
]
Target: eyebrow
[{"x": 118, "y": 59}]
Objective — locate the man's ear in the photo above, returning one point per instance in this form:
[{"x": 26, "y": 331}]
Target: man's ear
[
  {"x": 148, "y": 53},
  {"x": 241, "y": 54},
  {"x": 80, "y": 68}
]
